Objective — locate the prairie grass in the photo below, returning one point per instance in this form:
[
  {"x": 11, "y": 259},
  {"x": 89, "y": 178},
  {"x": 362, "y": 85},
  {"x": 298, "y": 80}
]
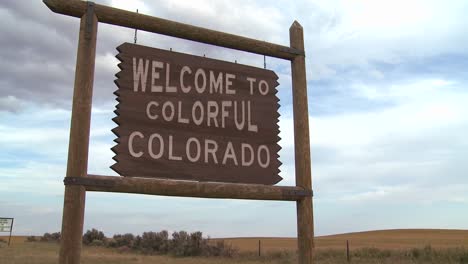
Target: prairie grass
[
  {"x": 47, "y": 253},
  {"x": 388, "y": 246}
]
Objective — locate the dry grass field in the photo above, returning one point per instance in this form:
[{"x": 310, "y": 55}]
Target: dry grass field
[
  {"x": 389, "y": 246},
  {"x": 384, "y": 239}
]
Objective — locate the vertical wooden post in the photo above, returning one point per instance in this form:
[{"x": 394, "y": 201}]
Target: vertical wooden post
[
  {"x": 11, "y": 229},
  {"x": 77, "y": 165},
  {"x": 259, "y": 248},
  {"x": 347, "y": 250},
  {"x": 305, "y": 221}
]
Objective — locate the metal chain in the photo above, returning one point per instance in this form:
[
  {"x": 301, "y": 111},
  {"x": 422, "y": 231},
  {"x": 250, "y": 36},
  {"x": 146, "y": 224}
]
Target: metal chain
[{"x": 135, "y": 38}]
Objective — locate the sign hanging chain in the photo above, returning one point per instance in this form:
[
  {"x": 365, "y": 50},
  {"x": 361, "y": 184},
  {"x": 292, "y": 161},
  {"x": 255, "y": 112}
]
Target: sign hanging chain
[{"x": 135, "y": 38}]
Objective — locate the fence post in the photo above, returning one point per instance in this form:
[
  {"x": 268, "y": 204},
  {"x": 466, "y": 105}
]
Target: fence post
[
  {"x": 347, "y": 250},
  {"x": 259, "y": 248},
  {"x": 77, "y": 165}
]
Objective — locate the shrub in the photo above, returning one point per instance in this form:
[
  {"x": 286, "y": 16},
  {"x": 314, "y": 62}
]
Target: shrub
[
  {"x": 218, "y": 249},
  {"x": 123, "y": 249},
  {"x": 415, "y": 253},
  {"x": 137, "y": 242},
  {"x": 31, "y": 239},
  {"x": 56, "y": 236},
  {"x": 48, "y": 237},
  {"x": 119, "y": 240},
  {"x": 180, "y": 244},
  {"x": 45, "y": 237},
  {"x": 154, "y": 242},
  {"x": 97, "y": 243},
  {"x": 92, "y": 235},
  {"x": 464, "y": 258},
  {"x": 196, "y": 244}
]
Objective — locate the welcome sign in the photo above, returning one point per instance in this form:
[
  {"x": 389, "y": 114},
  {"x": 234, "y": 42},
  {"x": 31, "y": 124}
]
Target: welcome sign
[{"x": 186, "y": 117}]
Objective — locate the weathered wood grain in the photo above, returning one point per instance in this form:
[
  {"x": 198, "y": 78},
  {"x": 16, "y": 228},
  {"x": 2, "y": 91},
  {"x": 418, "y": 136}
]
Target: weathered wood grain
[
  {"x": 305, "y": 220},
  {"x": 138, "y": 21},
  {"x": 262, "y": 110},
  {"x": 77, "y": 165},
  {"x": 163, "y": 187}
]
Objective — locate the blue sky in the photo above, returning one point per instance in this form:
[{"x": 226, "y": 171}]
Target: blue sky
[{"x": 387, "y": 88}]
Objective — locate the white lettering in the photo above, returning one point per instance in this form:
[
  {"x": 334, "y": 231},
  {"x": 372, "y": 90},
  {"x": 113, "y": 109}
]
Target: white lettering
[
  {"x": 197, "y": 151},
  {"x": 253, "y": 128},
  {"x": 229, "y": 78},
  {"x": 166, "y": 105},
  {"x": 211, "y": 150},
  {"x": 184, "y": 88},
  {"x": 216, "y": 84},
  {"x": 212, "y": 113},
  {"x": 263, "y": 91},
  {"x": 148, "y": 112},
  {"x": 239, "y": 125},
  {"x": 150, "y": 146},
  {"x": 140, "y": 74},
  {"x": 130, "y": 144},
  {"x": 229, "y": 154},
  {"x": 198, "y": 120},
  {"x": 181, "y": 119},
  {"x": 171, "y": 154},
  {"x": 246, "y": 163},
  {"x": 198, "y": 73},
  {"x": 224, "y": 112},
  {"x": 155, "y": 75},
  {"x": 267, "y": 155},
  {"x": 169, "y": 89},
  {"x": 251, "y": 81}
]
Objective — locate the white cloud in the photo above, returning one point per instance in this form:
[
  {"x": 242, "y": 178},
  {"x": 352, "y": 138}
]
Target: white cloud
[
  {"x": 418, "y": 195},
  {"x": 395, "y": 153},
  {"x": 130, "y": 5},
  {"x": 361, "y": 32},
  {"x": 403, "y": 153},
  {"x": 107, "y": 63},
  {"x": 11, "y": 103}
]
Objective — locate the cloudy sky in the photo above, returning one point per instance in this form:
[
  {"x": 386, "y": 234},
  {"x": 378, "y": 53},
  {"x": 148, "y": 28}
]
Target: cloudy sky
[{"x": 388, "y": 96}]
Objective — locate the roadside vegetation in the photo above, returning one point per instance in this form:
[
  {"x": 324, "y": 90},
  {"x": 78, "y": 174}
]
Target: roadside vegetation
[
  {"x": 189, "y": 248},
  {"x": 180, "y": 244}
]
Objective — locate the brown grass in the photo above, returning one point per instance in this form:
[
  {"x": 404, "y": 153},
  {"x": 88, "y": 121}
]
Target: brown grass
[
  {"x": 388, "y": 246},
  {"x": 382, "y": 239},
  {"x": 47, "y": 253}
]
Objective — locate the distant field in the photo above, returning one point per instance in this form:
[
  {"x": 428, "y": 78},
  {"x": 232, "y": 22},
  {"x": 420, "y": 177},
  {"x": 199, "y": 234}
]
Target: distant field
[
  {"x": 390, "y": 246},
  {"x": 384, "y": 239}
]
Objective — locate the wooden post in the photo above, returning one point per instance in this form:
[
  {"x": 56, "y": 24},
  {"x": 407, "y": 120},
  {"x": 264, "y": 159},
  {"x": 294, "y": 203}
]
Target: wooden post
[
  {"x": 77, "y": 165},
  {"x": 347, "y": 250},
  {"x": 259, "y": 247},
  {"x": 11, "y": 229},
  {"x": 305, "y": 225}
]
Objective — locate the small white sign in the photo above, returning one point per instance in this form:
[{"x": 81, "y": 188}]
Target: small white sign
[{"x": 6, "y": 224}]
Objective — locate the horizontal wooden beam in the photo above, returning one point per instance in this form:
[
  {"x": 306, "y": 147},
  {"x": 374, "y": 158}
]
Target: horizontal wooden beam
[
  {"x": 119, "y": 17},
  {"x": 165, "y": 187}
]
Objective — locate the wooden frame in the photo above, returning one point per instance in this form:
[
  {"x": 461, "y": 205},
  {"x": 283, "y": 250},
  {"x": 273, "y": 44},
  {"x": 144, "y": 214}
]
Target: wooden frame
[{"x": 77, "y": 180}]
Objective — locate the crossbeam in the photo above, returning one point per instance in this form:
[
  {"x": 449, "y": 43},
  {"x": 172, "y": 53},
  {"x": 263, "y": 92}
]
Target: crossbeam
[
  {"x": 119, "y": 17},
  {"x": 167, "y": 187}
]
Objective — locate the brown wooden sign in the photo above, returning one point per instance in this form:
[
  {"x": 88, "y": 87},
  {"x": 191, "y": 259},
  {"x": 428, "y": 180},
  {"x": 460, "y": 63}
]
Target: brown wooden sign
[{"x": 186, "y": 117}]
